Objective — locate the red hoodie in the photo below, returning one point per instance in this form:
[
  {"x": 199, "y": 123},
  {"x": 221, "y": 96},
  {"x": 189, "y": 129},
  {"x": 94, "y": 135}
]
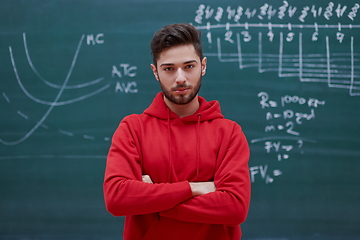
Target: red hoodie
[{"x": 175, "y": 151}]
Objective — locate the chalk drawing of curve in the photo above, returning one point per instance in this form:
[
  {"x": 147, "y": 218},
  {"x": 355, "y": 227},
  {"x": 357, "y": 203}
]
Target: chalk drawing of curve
[{"x": 61, "y": 88}]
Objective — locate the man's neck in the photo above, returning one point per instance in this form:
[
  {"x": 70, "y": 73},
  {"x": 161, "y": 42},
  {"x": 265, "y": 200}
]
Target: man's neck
[{"x": 183, "y": 110}]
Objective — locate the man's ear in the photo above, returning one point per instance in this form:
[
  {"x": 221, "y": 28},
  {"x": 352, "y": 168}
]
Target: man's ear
[
  {"x": 203, "y": 66},
  {"x": 154, "y": 69}
]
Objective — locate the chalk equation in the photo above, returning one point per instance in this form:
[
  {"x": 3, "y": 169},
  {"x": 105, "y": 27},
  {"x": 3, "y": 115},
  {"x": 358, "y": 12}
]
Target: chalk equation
[
  {"x": 282, "y": 117},
  {"x": 312, "y": 43},
  {"x": 236, "y": 14},
  {"x": 119, "y": 74},
  {"x": 289, "y": 48}
]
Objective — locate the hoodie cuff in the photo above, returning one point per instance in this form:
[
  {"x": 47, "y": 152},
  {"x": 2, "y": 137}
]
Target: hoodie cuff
[{"x": 183, "y": 189}]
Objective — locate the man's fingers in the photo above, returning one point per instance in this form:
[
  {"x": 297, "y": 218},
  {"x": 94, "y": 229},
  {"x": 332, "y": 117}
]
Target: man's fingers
[
  {"x": 146, "y": 179},
  {"x": 201, "y": 188}
]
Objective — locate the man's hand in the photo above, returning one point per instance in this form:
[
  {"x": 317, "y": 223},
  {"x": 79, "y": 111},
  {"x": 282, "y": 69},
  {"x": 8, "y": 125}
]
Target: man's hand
[
  {"x": 201, "y": 188},
  {"x": 146, "y": 179}
]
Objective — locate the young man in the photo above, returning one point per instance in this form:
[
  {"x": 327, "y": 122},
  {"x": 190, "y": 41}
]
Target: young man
[{"x": 179, "y": 170}]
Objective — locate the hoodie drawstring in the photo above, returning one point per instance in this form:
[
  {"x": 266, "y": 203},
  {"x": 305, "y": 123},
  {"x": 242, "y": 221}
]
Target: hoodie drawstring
[
  {"x": 198, "y": 144},
  {"x": 169, "y": 145}
]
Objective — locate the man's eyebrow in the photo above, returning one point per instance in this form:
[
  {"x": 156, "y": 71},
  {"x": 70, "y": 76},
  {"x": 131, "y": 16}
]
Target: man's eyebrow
[
  {"x": 167, "y": 64},
  {"x": 172, "y": 64},
  {"x": 191, "y": 61}
]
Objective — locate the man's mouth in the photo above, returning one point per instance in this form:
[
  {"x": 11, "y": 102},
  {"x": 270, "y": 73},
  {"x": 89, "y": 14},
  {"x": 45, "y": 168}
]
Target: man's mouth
[{"x": 182, "y": 89}]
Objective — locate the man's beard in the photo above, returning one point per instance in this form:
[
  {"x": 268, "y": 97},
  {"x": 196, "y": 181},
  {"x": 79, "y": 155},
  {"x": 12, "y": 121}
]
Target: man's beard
[{"x": 181, "y": 99}]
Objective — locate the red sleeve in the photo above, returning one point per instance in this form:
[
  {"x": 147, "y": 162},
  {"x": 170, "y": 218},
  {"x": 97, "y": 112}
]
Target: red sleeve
[
  {"x": 124, "y": 191},
  {"x": 230, "y": 202}
]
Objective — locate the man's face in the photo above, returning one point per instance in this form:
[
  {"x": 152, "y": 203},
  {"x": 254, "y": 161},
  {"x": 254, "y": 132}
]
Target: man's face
[{"x": 179, "y": 71}]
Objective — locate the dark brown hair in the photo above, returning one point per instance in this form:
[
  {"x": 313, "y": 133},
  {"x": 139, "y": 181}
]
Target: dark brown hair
[{"x": 175, "y": 35}]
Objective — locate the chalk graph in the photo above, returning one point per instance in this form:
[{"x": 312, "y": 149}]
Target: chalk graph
[
  {"x": 61, "y": 88},
  {"x": 336, "y": 69},
  {"x": 278, "y": 48}
]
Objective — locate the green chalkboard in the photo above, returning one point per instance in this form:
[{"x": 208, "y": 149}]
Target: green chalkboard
[{"x": 287, "y": 71}]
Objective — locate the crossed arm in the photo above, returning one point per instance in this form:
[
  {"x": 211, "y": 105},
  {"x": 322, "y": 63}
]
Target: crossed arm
[
  {"x": 197, "y": 188},
  {"x": 224, "y": 201}
]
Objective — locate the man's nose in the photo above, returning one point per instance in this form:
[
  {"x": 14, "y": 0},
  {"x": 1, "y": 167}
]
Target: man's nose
[{"x": 180, "y": 76}]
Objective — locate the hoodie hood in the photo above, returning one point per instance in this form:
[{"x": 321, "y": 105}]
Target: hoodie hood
[{"x": 207, "y": 110}]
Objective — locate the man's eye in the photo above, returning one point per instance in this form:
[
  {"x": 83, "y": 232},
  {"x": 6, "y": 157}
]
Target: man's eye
[
  {"x": 168, "y": 69},
  {"x": 189, "y": 66}
]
